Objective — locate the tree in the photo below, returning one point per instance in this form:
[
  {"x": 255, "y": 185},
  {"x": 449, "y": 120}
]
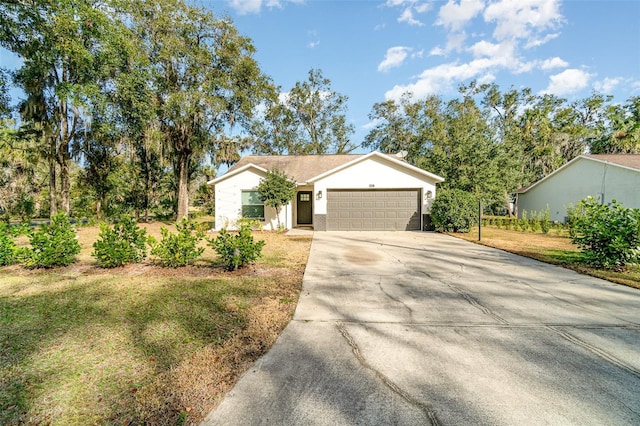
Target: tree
[
  {"x": 205, "y": 82},
  {"x": 453, "y": 139},
  {"x": 623, "y": 133},
  {"x": 68, "y": 48},
  {"x": 276, "y": 190},
  {"x": 5, "y": 107},
  {"x": 310, "y": 119}
]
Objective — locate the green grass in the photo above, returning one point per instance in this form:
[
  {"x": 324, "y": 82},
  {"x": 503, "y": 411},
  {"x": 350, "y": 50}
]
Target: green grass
[{"x": 139, "y": 344}]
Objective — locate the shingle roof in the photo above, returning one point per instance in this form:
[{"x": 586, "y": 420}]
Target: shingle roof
[
  {"x": 299, "y": 167},
  {"x": 626, "y": 160}
]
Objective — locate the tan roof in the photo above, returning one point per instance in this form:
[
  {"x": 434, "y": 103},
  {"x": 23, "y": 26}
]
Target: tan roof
[
  {"x": 626, "y": 160},
  {"x": 299, "y": 167}
]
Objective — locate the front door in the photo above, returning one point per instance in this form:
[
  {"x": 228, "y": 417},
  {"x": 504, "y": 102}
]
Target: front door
[{"x": 304, "y": 207}]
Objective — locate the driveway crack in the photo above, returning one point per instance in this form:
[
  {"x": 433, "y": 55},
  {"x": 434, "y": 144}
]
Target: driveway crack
[
  {"x": 473, "y": 302},
  {"x": 395, "y": 299},
  {"x": 426, "y": 410},
  {"x": 596, "y": 351}
]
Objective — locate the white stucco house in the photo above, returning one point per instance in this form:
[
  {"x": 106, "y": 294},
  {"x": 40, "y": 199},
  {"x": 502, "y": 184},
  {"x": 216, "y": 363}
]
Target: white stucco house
[
  {"x": 335, "y": 192},
  {"x": 605, "y": 177}
]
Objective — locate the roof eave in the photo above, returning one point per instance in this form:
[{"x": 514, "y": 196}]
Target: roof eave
[
  {"x": 432, "y": 176},
  {"x": 236, "y": 172}
]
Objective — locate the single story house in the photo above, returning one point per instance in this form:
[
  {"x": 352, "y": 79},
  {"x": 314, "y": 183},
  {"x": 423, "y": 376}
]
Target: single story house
[
  {"x": 605, "y": 177},
  {"x": 334, "y": 193}
]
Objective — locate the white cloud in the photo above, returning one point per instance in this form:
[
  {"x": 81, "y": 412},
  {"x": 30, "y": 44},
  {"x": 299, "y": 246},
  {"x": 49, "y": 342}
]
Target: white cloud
[
  {"x": 313, "y": 44},
  {"x": 437, "y": 51},
  {"x": 607, "y": 85},
  {"x": 549, "y": 64},
  {"x": 454, "y": 16},
  {"x": 535, "y": 42},
  {"x": 434, "y": 80},
  {"x": 568, "y": 81},
  {"x": 407, "y": 16},
  {"x": 409, "y": 9},
  {"x": 394, "y": 58},
  {"x": 523, "y": 19},
  {"x": 244, "y": 7},
  {"x": 455, "y": 41}
]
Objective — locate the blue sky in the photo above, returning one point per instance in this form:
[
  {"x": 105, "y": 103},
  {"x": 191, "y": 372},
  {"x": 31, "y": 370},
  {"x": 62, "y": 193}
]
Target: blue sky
[{"x": 376, "y": 50}]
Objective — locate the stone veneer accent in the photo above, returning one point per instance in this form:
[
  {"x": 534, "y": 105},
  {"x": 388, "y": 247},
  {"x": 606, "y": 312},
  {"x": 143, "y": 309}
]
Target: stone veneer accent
[{"x": 319, "y": 222}]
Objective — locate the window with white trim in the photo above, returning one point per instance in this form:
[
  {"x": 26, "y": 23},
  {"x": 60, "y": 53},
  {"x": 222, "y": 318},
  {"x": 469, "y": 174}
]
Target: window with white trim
[{"x": 252, "y": 205}]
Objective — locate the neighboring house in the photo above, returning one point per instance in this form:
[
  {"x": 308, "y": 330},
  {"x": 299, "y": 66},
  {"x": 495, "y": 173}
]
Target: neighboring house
[
  {"x": 335, "y": 192},
  {"x": 605, "y": 177}
]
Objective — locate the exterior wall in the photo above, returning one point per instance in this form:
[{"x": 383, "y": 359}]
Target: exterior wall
[
  {"x": 228, "y": 207},
  {"x": 583, "y": 178},
  {"x": 373, "y": 173}
]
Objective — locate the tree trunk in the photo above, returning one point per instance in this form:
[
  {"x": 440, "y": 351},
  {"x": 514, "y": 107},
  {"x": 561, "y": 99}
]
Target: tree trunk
[
  {"x": 53, "y": 201},
  {"x": 65, "y": 179},
  {"x": 99, "y": 208},
  {"x": 183, "y": 186}
]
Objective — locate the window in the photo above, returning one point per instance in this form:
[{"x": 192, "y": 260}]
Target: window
[{"x": 252, "y": 205}]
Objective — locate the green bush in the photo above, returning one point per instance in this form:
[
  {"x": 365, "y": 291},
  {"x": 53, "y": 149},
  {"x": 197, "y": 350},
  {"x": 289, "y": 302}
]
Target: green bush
[
  {"x": 55, "y": 244},
  {"x": 181, "y": 249},
  {"x": 545, "y": 221},
  {"x": 237, "y": 250},
  {"x": 123, "y": 243},
  {"x": 7, "y": 245},
  {"x": 608, "y": 234},
  {"x": 454, "y": 211}
]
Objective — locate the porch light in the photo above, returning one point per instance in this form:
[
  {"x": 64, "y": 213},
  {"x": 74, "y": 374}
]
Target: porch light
[
  {"x": 319, "y": 194},
  {"x": 429, "y": 194}
]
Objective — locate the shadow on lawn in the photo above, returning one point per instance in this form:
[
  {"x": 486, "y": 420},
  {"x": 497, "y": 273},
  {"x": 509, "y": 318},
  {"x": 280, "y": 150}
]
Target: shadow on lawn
[{"x": 79, "y": 352}]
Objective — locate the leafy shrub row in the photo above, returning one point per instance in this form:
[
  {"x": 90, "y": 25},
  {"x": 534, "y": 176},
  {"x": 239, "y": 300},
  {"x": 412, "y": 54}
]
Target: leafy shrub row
[
  {"x": 534, "y": 222},
  {"x": 56, "y": 244}
]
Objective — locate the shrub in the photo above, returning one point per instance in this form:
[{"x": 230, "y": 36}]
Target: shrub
[
  {"x": 53, "y": 245},
  {"x": 124, "y": 243},
  {"x": 523, "y": 222},
  {"x": 7, "y": 245},
  {"x": 181, "y": 249},
  {"x": 545, "y": 221},
  {"x": 454, "y": 211},
  {"x": 534, "y": 221},
  {"x": 608, "y": 234},
  {"x": 237, "y": 250}
]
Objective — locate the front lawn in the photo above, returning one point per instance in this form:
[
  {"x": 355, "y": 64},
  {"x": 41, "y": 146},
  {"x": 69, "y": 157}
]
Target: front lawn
[
  {"x": 138, "y": 344},
  {"x": 555, "y": 248}
]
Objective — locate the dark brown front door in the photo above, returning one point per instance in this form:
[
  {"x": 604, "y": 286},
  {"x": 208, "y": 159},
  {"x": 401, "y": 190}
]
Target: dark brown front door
[{"x": 304, "y": 207}]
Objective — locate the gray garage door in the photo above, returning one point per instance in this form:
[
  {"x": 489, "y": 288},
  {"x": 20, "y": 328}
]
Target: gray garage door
[{"x": 373, "y": 210}]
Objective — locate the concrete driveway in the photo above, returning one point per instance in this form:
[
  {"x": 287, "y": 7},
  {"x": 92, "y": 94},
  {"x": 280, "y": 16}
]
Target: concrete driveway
[{"x": 420, "y": 328}]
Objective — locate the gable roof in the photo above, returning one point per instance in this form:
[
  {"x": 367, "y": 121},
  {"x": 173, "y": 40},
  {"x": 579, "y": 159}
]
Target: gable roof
[
  {"x": 308, "y": 168},
  {"x": 627, "y": 161}
]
